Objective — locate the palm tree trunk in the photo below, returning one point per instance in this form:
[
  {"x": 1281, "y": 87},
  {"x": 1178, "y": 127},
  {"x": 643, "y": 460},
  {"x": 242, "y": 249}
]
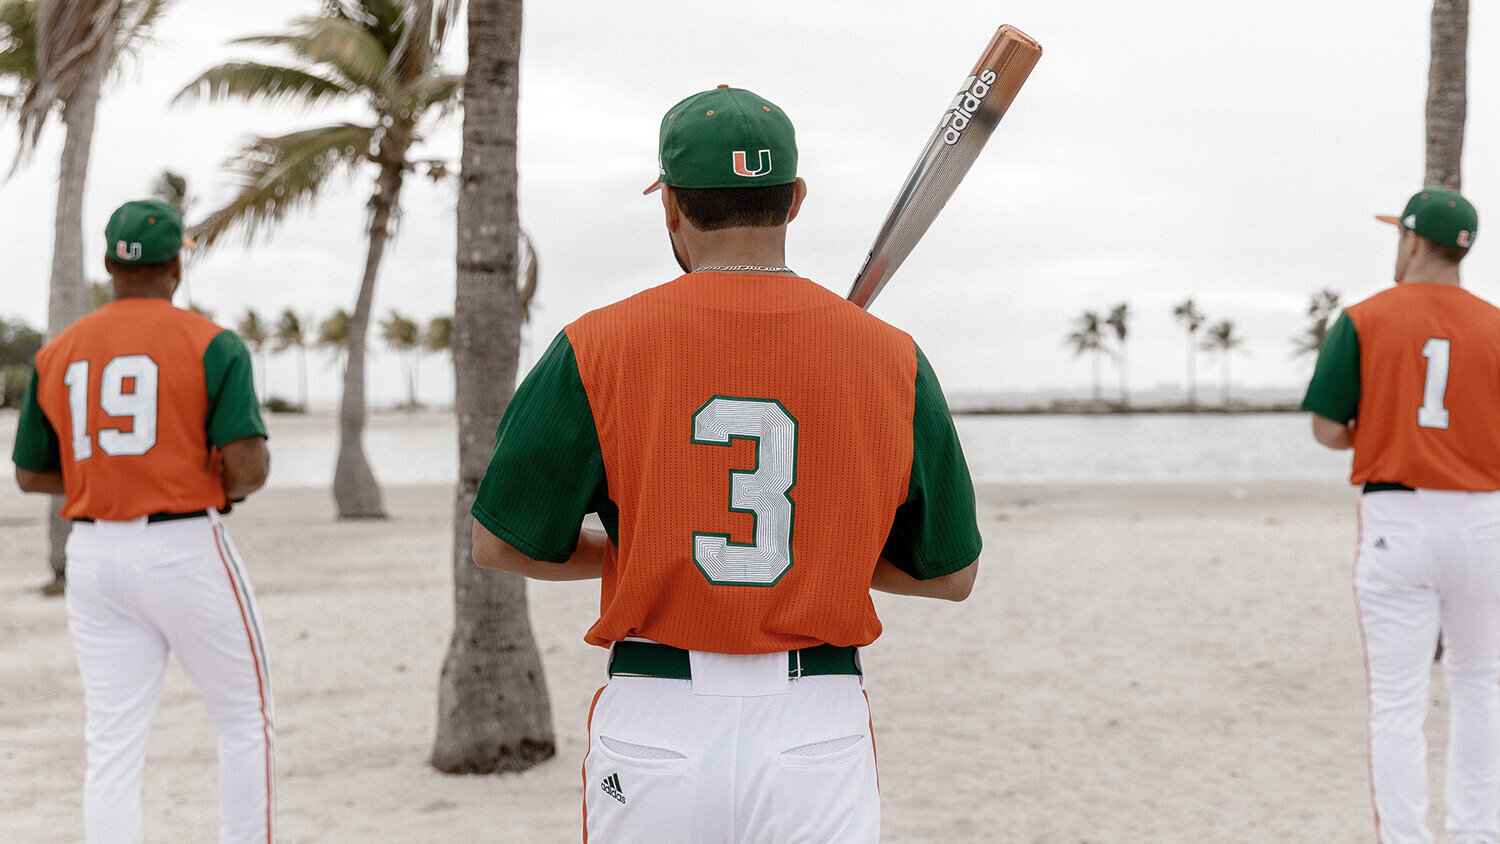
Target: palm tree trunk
[
  {"x": 68, "y": 294},
  {"x": 1192, "y": 370},
  {"x": 1447, "y": 100},
  {"x": 1098, "y": 390},
  {"x": 302, "y": 377},
  {"x": 1124, "y": 388},
  {"x": 493, "y": 709},
  {"x": 355, "y": 490},
  {"x": 1226, "y": 377}
]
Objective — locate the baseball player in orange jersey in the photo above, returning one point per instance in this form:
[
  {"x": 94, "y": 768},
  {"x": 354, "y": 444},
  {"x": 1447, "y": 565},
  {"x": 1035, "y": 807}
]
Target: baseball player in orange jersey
[
  {"x": 144, "y": 417},
  {"x": 1410, "y": 378},
  {"x": 761, "y": 453}
]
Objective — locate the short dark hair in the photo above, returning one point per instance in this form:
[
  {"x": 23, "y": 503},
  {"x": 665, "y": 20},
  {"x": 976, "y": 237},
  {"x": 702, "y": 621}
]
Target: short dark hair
[
  {"x": 138, "y": 271},
  {"x": 1447, "y": 251},
  {"x": 711, "y": 209}
]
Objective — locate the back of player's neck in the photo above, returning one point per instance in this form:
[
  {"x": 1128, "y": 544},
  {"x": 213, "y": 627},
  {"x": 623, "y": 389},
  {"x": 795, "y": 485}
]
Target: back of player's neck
[{"x": 1436, "y": 280}]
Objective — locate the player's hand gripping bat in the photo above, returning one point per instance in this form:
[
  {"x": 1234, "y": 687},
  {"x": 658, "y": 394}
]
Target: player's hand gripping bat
[{"x": 966, "y": 125}]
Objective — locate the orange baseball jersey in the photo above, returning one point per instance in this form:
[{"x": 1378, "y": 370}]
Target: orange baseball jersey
[
  {"x": 1418, "y": 369},
  {"x": 129, "y": 402},
  {"x": 752, "y": 444}
]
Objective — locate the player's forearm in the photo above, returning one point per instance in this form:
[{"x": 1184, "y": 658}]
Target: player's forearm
[
  {"x": 1334, "y": 435},
  {"x": 48, "y": 482},
  {"x": 587, "y": 562},
  {"x": 247, "y": 464},
  {"x": 949, "y": 587}
]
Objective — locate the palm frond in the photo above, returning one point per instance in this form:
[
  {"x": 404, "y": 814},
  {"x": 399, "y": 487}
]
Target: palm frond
[
  {"x": 413, "y": 51},
  {"x": 69, "y": 38},
  {"x": 18, "y": 43},
  {"x": 271, "y": 84},
  {"x": 443, "y": 91},
  {"x": 137, "y": 18},
  {"x": 279, "y": 174},
  {"x": 343, "y": 45}
]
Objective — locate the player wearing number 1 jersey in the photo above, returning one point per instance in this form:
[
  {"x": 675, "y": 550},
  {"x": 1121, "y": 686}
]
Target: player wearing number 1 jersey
[
  {"x": 1410, "y": 379},
  {"x": 761, "y": 453},
  {"x": 144, "y": 417}
]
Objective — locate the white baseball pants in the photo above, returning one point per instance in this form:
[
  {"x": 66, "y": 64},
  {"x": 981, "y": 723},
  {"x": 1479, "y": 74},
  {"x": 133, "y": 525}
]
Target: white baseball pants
[
  {"x": 739, "y": 753},
  {"x": 138, "y": 592},
  {"x": 1430, "y": 560}
]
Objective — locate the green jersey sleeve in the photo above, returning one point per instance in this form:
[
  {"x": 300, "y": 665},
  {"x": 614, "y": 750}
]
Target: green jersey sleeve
[
  {"x": 1334, "y": 390},
  {"x": 936, "y": 531},
  {"x": 547, "y": 470},
  {"x": 36, "y": 448},
  {"x": 233, "y": 412}
]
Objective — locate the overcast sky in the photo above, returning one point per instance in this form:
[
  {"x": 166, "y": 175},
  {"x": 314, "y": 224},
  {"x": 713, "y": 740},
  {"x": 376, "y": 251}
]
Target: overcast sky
[{"x": 1234, "y": 153}]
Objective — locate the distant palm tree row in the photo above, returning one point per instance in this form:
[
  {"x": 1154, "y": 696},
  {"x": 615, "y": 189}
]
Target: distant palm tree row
[
  {"x": 402, "y": 335},
  {"x": 1089, "y": 336}
]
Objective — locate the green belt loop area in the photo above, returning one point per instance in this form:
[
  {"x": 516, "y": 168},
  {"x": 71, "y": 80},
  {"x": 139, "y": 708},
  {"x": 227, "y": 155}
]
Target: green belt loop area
[
  {"x": 650, "y": 659},
  {"x": 1383, "y": 486}
]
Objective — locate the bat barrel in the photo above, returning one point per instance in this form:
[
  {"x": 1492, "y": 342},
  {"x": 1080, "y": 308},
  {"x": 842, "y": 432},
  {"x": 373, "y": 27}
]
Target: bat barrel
[{"x": 966, "y": 125}]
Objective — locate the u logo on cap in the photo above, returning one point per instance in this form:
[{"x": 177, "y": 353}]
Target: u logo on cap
[
  {"x": 742, "y": 168},
  {"x": 127, "y": 254}
]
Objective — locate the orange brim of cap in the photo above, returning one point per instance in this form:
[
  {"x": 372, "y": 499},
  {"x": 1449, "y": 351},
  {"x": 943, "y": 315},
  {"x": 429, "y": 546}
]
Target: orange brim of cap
[
  {"x": 1387, "y": 218},
  {"x": 652, "y": 188}
]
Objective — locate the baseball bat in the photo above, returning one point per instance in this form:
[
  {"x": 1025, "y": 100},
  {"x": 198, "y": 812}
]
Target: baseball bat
[{"x": 967, "y": 123}]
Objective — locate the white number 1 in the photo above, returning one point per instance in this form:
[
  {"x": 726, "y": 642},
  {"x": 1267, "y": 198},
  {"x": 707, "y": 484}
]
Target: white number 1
[
  {"x": 1432, "y": 413},
  {"x": 139, "y": 404}
]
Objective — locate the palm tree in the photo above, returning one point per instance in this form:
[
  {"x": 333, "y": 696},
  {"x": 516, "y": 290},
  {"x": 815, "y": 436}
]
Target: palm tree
[
  {"x": 493, "y": 709},
  {"x": 252, "y": 329},
  {"x": 56, "y": 54},
  {"x": 1087, "y": 337},
  {"x": 289, "y": 335},
  {"x": 382, "y": 53},
  {"x": 439, "y": 334},
  {"x": 1323, "y": 305},
  {"x": 1447, "y": 97},
  {"x": 173, "y": 187},
  {"x": 333, "y": 334},
  {"x": 1222, "y": 340},
  {"x": 1119, "y": 318},
  {"x": 404, "y": 338},
  {"x": 1186, "y": 312}
]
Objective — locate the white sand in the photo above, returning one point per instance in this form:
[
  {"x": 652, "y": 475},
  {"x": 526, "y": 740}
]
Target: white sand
[{"x": 1172, "y": 663}]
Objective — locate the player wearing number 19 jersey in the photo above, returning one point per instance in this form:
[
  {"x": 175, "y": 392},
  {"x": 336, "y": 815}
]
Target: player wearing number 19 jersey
[
  {"x": 761, "y": 453},
  {"x": 144, "y": 417},
  {"x": 1410, "y": 378}
]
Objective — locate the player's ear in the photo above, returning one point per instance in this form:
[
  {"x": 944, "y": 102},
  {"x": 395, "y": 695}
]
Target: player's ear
[
  {"x": 799, "y": 193},
  {"x": 669, "y": 205}
]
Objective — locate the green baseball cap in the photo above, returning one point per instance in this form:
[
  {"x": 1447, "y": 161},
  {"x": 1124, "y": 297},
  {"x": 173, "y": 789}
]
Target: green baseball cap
[
  {"x": 726, "y": 138},
  {"x": 1440, "y": 215},
  {"x": 146, "y": 231}
]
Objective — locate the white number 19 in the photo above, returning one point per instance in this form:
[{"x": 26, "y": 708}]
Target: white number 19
[
  {"x": 139, "y": 404},
  {"x": 1432, "y": 413}
]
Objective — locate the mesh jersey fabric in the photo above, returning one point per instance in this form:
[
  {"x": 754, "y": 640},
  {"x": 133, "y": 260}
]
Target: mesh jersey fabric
[
  {"x": 159, "y": 389},
  {"x": 1417, "y": 366},
  {"x": 731, "y": 414}
]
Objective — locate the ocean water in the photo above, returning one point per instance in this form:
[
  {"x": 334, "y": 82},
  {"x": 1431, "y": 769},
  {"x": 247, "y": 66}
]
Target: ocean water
[
  {"x": 422, "y": 448},
  {"x": 1123, "y": 448}
]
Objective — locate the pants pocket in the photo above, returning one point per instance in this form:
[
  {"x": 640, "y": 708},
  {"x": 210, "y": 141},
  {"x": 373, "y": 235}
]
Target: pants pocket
[
  {"x": 637, "y": 792},
  {"x": 826, "y": 791}
]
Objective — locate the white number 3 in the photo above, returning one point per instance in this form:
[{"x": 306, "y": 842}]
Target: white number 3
[
  {"x": 1432, "y": 413},
  {"x": 763, "y": 492},
  {"x": 139, "y": 403}
]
